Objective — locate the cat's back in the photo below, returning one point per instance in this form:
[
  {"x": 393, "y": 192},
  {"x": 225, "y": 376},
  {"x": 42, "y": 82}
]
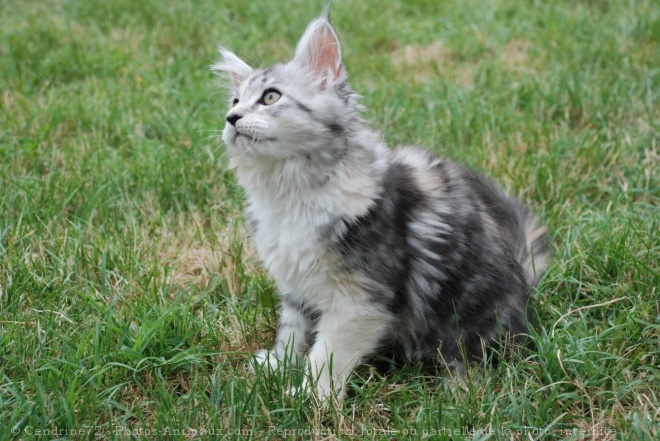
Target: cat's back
[
  {"x": 468, "y": 202},
  {"x": 444, "y": 245},
  {"x": 437, "y": 226}
]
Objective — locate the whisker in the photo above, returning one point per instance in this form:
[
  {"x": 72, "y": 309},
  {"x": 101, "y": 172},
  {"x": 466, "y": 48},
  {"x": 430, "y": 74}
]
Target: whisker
[
  {"x": 213, "y": 137},
  {"x": 208, "y": 98}
]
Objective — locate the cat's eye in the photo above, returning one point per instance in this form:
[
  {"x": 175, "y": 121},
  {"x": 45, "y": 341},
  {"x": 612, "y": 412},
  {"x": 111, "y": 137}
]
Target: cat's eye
[
  {"x": 270, "y": 96},
  {"x": 234, "y": 102}
]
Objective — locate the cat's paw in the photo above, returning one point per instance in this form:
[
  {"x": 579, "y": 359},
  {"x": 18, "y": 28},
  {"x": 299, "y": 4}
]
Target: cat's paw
[
  {"x": 328, "y": 389},
  {"x": 301, "y": 389},
  {"x": 321, "y": 394},
  {"x": 321, "y": 389},
  {"x": 263, "y": 359}
]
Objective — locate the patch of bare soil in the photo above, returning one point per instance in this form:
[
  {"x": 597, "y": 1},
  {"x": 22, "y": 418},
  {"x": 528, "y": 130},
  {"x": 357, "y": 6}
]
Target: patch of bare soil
[{"x": 424, "y": 62}]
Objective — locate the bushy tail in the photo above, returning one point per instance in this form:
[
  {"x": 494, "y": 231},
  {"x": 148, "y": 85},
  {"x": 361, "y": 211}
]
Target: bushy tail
[{"x": 536, "y": 256}]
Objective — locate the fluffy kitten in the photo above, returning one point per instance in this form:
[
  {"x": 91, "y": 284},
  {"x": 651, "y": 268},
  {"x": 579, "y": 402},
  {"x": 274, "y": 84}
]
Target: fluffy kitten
[{"x": 369, "y": 247}]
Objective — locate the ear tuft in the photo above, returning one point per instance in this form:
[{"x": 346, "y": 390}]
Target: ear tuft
[
  {"x": 319, "y": 52},
  {"x": 229, "y": 63}
]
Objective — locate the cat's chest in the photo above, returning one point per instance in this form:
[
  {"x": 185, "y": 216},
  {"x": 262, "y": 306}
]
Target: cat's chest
[{"x": 287, "y": 239}]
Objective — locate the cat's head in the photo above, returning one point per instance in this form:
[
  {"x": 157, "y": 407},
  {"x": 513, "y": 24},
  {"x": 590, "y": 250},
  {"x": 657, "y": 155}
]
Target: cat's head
[{"x": 303, "y": 107}]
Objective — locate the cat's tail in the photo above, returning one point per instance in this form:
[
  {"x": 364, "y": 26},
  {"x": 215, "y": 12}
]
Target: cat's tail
[{"x": 536, "y": 255}]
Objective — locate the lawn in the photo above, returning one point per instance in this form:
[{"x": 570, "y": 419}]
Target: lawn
[{"x": 132, "y": 298}]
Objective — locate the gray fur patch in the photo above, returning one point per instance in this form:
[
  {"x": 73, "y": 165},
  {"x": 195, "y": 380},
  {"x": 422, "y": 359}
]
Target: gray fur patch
[{"x": 450, "y": 281}]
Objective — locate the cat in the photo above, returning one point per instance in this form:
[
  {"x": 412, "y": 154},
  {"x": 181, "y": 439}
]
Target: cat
[{"x": 370, "y": 247}]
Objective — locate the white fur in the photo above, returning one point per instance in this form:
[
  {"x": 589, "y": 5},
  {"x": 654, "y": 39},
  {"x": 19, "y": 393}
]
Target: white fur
[
  {"x": 298, "y": 179},
  {"x": 292, "y": 209},
  {"x": 296, "y": 187},
  {"x": 346, "y": 332},
  {"x": 291, "y": 216},
  {"x": 229, "y": 62}
]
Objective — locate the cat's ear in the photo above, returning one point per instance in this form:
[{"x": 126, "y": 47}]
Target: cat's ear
[
  {"x": 229, "y": 63},
  {"x": 319, "y": 53}
]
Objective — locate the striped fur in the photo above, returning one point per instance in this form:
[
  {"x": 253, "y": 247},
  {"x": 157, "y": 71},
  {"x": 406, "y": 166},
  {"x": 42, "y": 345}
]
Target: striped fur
[{"x": 370, "y": 247}]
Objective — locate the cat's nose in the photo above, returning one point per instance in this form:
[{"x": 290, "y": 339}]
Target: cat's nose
[{"x": 232, "y": 118}]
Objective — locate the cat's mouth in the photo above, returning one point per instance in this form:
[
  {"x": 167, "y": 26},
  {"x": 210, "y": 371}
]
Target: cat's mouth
[
  {"x": 251, "y": 138},
  {"x": 246, "y": 136},
  {"x": 239, "y": 136}
]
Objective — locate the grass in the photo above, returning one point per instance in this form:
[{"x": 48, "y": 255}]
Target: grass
[{"x": 131, "y": 301}]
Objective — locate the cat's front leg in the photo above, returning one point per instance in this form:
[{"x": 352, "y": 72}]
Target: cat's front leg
[
  {"x": 344, "y": 336},
  {"x": 291, "y": 340}
]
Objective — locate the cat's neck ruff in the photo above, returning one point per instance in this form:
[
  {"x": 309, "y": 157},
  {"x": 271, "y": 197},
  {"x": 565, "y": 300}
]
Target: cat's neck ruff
[
  {"x": 317, "y": 188},
  {"x": 293, "y": 201}
]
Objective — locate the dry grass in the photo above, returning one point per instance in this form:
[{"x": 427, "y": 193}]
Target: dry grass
[{"x": 423, "y": 63}]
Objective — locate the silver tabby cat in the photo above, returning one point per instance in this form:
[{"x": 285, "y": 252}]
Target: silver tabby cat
[{"x": 370, "y": 247}]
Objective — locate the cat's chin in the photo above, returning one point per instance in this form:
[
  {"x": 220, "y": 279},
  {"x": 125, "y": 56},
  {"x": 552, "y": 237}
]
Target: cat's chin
[
  {"x": 261, "y": 148},
  {"x": 246, "y": 140},
  {"x": 257, "y": 149}
]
